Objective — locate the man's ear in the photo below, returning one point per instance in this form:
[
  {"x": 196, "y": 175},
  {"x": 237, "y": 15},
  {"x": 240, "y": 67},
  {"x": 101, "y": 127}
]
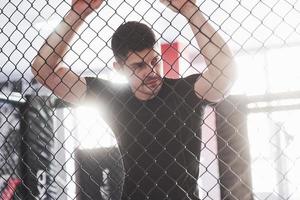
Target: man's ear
[{"x": 118, "y": 67}]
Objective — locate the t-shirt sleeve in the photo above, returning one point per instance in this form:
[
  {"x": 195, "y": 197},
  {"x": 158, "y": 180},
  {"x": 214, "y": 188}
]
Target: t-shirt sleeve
[{"x": 188, "y": 88}]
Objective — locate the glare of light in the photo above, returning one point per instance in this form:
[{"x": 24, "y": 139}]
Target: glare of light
[
  {"x": 284, "y": 70},
  {"x": 259, "y": 130},
  {"x": 117, "y": 78},
  {"x": 251, "y": 75},
  {"x": 274, "y": 70},
  {"x": 290, "y": 146},
  {"x": 284, "y": 102},
  {"x": 93, "y": 132},
  {"x": 262, "y": 128}
]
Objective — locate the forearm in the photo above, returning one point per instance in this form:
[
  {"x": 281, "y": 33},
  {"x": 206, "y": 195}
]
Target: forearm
[
  {"x": 217, "y": 55},
  {"x": 56, "y": 46},
  {"x": 220, "y": 74}
]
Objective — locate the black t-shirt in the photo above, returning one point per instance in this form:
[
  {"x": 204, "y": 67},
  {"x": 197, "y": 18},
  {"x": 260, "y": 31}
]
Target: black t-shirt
[{"x": 159, "y": 139}]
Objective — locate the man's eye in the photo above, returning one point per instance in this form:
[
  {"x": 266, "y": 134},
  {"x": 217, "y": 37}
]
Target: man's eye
[
  {"x": 140, "y": 65},
  {"x": 137, "y": 66},
  {"x": 154, "y": 61}
]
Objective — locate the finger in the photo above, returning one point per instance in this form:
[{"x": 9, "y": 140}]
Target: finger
[
  {"x": 168, "y": 4},
  {"x": 165, "y": 2}
]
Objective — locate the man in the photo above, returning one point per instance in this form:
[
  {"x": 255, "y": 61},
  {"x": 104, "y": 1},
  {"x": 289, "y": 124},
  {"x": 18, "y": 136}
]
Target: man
[{"x": 156, "y": 121}]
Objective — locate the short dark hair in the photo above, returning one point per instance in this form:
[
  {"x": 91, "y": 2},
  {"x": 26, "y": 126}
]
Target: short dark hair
[{"x": 131, "y": 36}]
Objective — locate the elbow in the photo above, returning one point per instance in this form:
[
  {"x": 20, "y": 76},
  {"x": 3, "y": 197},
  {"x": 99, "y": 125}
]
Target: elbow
[
  {"x": 231, "y": 71},
  {"x": 234, "y": 73},
  {"x": 225, "y": 83}
]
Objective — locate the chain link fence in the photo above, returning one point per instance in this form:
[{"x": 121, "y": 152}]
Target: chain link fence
[{"x": 149, "y": 100}]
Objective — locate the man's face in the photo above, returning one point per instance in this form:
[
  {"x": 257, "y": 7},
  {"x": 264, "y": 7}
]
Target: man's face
[{"x": 144, "y": 72}]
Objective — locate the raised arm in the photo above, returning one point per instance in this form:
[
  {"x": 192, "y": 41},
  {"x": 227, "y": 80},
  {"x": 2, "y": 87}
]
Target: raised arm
[
  {"x": 220, "y": 74},
  {"x": 48, "y": 67}
]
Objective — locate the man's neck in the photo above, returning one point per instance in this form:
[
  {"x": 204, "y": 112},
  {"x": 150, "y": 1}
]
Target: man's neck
[{"x": 142, "y": 96}]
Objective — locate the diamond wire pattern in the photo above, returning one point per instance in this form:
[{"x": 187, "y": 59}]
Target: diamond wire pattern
[{"x": 11, "y": 38}]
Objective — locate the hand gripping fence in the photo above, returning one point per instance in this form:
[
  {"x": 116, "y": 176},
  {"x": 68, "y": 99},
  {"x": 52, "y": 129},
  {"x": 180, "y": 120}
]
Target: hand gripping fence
[{"x": 133, "y": 100}]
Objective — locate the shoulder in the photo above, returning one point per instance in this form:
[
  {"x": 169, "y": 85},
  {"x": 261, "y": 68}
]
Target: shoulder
[
  {"x": 182, "y": 85},
  {"x": 185, "y": 89}
]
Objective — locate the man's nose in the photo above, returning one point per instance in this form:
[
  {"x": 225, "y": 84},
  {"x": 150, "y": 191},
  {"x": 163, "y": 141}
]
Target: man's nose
[
  {"x": 153, "y": 69},
  {"x": 153, "y": 73},
  {"x": 149, "y": 69}
]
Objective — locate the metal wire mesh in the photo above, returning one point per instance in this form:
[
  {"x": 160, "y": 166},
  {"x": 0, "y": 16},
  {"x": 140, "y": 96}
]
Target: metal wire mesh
[{"x": 84, "y": 117}]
